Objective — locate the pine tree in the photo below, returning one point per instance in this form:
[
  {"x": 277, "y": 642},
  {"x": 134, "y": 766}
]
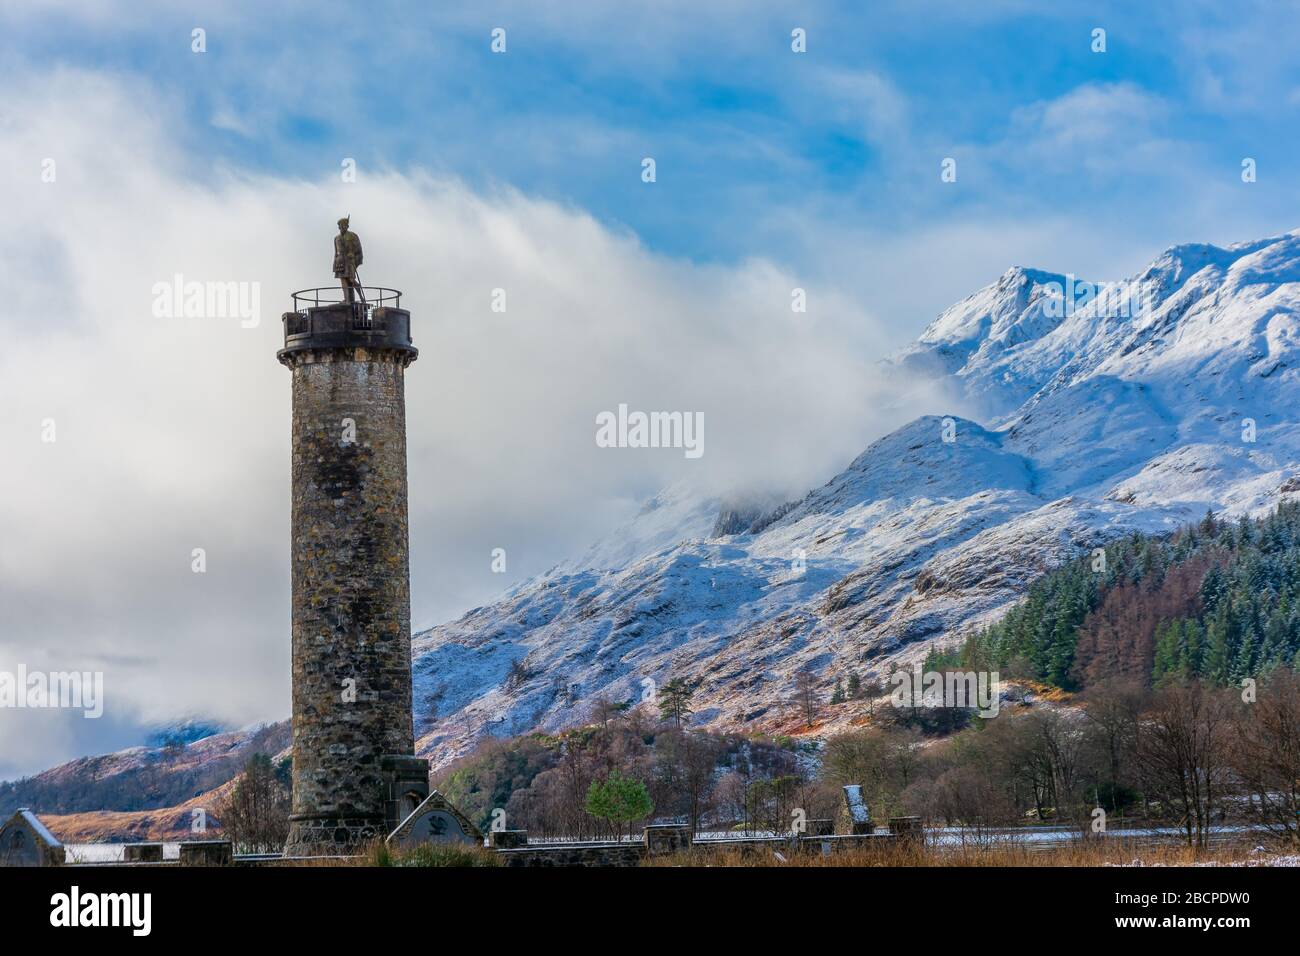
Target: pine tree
[
  {"x": 1243, "y": 664},
  {"x": 618, "y": 799},
  {"x": 1165, "y": 669},
  {"x": 675, "y": 701},
  {"x": 1216, "y": 664},
  {"x": 1274, "y": 649},
  {"x": 1191, "y": 649},
  {"x": 1212, "y": 588}
]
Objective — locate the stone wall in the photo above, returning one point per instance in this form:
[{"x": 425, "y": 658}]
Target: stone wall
[
  {"x": 142, "y": 853},
  {"x": 576, "y": 854},
  {"x": 631, "y": 854},
  {"x": 206, "y": 853}
]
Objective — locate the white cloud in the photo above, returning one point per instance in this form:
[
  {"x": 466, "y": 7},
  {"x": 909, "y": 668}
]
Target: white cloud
[
  {"x": 1103, "y": 127},
  {"x": 869, "y": 98}
]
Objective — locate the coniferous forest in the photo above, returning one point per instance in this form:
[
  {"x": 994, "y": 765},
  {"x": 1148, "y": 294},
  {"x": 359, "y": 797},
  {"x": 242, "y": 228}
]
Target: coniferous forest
[{"x": 1214, "y": 601}]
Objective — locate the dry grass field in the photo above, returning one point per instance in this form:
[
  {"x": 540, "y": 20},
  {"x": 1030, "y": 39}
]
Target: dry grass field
[{"x": 1102, "y": 853}]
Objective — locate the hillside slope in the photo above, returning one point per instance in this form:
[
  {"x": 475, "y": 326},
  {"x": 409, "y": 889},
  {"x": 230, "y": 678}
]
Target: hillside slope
[
  {"x": 156, "y": 783},
  {"x": 1115, "y": 415}
]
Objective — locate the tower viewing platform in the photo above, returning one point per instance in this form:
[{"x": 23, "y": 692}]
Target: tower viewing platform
[{"x": 321, "y": 319}]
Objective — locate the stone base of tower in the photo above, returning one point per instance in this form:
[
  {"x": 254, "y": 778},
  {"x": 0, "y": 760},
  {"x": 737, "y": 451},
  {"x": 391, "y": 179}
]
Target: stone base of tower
[
  {"x": 406, "y": 785},
  {"x": 332, "y": 836}
]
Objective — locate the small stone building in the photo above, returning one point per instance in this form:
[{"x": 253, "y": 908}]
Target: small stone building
[
  {"x": 435, "y": 821},
  {"x": 25, "y": 841}
]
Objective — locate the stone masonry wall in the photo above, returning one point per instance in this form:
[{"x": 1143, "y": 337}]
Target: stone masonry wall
[
  {"x": 631, "y": 854},
  {"x": 351, "y": 593}
]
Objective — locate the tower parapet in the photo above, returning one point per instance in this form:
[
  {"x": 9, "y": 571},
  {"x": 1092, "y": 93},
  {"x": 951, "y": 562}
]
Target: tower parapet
[{"x": 319, "y": 321}]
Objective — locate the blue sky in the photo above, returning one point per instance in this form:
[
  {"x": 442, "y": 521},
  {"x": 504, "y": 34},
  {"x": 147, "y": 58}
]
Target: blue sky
[
  {"x": 756, "y": 147},
  {"x": 522, "y": 170}
]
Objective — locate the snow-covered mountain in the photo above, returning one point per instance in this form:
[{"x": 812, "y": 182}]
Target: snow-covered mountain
[
  {"x": 1103, "y": 409},
  {"x": 155, "y": 783}
]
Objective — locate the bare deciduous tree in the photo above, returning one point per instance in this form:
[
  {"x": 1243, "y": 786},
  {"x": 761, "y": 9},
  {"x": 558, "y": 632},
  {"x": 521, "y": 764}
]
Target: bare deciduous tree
[
  {"x": 1113, "y": 708},
  {"x": 255, "y": 813},
  {"x": 1183, "y": 749},
  {"x": 1266, "y": 754}
]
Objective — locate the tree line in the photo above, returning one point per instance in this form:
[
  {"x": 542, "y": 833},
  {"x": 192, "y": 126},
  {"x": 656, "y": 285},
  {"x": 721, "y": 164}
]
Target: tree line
[
  {"x": 1186, "y": 754},
  {"x": 634, "y": 764}
]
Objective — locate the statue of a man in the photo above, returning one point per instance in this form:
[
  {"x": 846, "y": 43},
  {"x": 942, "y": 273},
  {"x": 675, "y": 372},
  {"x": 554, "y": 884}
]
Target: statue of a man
[{"x": 347, "y": 256}]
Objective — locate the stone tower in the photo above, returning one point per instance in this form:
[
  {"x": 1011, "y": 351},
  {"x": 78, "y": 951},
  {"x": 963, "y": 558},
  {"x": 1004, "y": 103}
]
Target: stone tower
[{"x": 355, "y": 776}]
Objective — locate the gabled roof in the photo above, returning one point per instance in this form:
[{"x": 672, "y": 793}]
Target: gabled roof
[
  {"x": 33, "y": 821},
  {"x": 436, "y": 801}
]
